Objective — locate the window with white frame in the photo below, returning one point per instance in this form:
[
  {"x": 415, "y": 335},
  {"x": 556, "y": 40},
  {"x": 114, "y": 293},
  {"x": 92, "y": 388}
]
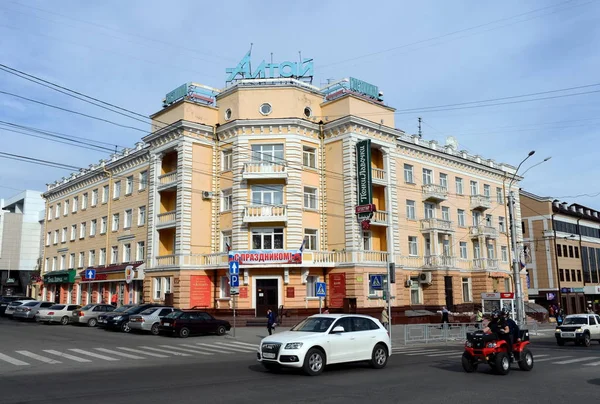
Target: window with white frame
[
  {"x": 226, "y": 240},
  {"x": 367, "y": 245},
  {"x": 227, "y": 160},
  {"x": 463, "y": 250},
  {"x": 444, "y": 180},
  {"x": 55, "y": 241},
  {"x": 73, "y": 232},
  {"x": 445, "y": 213},
  {"x": 54, "y": 263},
  {"x": 504, "y": 252},
  {"x": 499, "y": 196},
  {"x": 128, "y": 218},
  {"x": 71, "y": 260},
  {"x": 311, "y": 284},
  {"x": 409, "y": 174},
  {"x": 141, "y": 215},
  {"x": 476, "y": 249},
  {"x": 310, "y": 198},
  {"x": 410, "y": 210},
  {"x": 75, "y": 204},
  {"x": 47, "y": 264},
  {"x": 309, "y": 157},
  {"x": 224, "y": 289},
  {"x": 487, "y": 190},
  {"x": 115, "y": 222},
  {"x": 143, "y": 180},
  {"x": 103, "y": 224},
  {"x": 161, "y": 285},
  {"x": 413, "y": 246},
  {"x": 66, "y": 208},
  {"x": 310, "y": 239},
  {"x": 459, "y": 186},
  {"x": 48, "y": 238},
  {"x": 105, "y": 194},
  {"x": 94, "y": 197},
  {"x": 63, "y": 235},
  {"x": 502, "y": 224},
  {"x": 488, "y": 220},
  {"x": 226, "y": 200},
  {"x": 82, "y": 229},
  {"x": 81, "y": 260},
  {"x": 57, "y": 211},
  {"x": 378, "y": 292},
  {"x": 49, "y": 217},
  {"x": 267, "y": 239},
  {"x": 467, "y": 290},
  {"x": 126, "y": 252},
  {"x": 427, "y": 176},
  {"x": 141, "y": 251},
  {"x": 474, "y": 188},
  {"x": 117, "y": 189},
  {"x": 490, "y": 250},
  {"x": 63, "y": 261},
  {"x": 114, "y": 256},
  {"x": 476, "y": 218},
  {"x": 267, "y": 195},
  {"x": 84, "y": 201},
  {"x": 93, "y": 227},
  {"x": 92, "y": 257},
  {"x": 416, "y": 291},
  {"x": 102, "y": 258},
  {"x": 268, "y": 153},
  {"x": 129, "y": 185},
  {"x": 429, "y": 210}
]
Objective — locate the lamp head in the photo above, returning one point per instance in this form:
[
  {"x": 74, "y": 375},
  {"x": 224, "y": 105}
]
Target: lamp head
[{"x": 531, "y": 153}]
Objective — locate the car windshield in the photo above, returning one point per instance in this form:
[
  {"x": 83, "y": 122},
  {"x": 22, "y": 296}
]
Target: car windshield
[
  {"x": 314, "y": 324},
  {"x": 30, "y": 304},
  {"x": 15, "y": 303},
  {"x": 575, "y": 320},
  {"x": 122, "y": 309},
  {"x": 174, "y": 314},
  {"x": 87, "y": 307},
  {"x": 57, "y": 307}
]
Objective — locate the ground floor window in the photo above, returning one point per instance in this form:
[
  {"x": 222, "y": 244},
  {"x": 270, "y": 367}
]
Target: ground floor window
[
  {"x": 225, "y": 290},
  {"x": 415, "y": 291},
  {"x": 311, "y": 284},
  {"x": 161, "y": 285},
  {"x": 467, "y": 290}
]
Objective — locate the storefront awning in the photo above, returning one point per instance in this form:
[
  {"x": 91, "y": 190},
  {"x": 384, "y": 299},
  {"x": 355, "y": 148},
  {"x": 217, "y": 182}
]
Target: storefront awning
[{"x": 67, "y": 276}]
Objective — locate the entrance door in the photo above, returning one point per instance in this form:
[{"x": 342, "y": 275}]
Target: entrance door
[
  {"x": 266, "y": 296},
  {"x": 57, "y": 289},
  {"x": 449, "y": 294}
]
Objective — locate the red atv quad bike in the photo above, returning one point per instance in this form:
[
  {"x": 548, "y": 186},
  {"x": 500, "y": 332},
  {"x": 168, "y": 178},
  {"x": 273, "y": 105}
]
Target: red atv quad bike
[{"x": 487, "y": 348}]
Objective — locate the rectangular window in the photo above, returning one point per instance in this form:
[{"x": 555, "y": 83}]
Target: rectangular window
[
  {"x": 559, "y": 250},
  {"x": 578, "y": 275},
  {"x": 310, "y": 198},
  {"x": 267, "y": 239},
  {"x": 573, "y": 275},
  {"x": 94, "y": 197},
  {"x": 129, "y": 185},
  {"x": 226, "y": 160},
  {"x": 576, "y": 252},
  {"x": 410, "y": 210},
  {"x": 84, "y": 201},
  {"x": 57, "y": 211},
  {"x": 93, "y": 227},
  {"x": 427, "y": 176},
  {"x": 459, "y": 186},
  {"x": 474, "y": 188},
  {"x": 63, "y": 262},
  {"x": 103, "y": 225},
  {"x": 71, "y": 260},
  {"x": 309, "y": 157},
  {"x": 105, "y": 194},
  {"x": 75, "y": 204},
  {"x": 476, "y": 218},
  {"x": 412, "y": 246},
  {"x": 366, "y": 235},
  {"x": 66, "y": 209},
  {"x": 141, "y": 251},
  {"x": 311, "y": 282},
  {"x": 444, "y": 180},
  {"x": 487, "y": 190},
  {"x": 310, "y": 239},
  {"x": 445, "y": 213},
  {"x": 157, "y": 288},
  {"x": 463, "y": 250},
  {"x": 226, "y": 241},
  {"x": 499, "y": 196},
  {"x": 490, "y": 250},
  {"x": 63, "y": 235},
  {"x": 268, "y": 153},
  {"x": 115, "y": 222},
  {"x": 49, "y": 217},
  {"x": 143, "y": 180},
  {"x": 488, "y": 220},
  {"x": 48, "y": 238},
  {"x": 81, "y": 262},
  {"x": 429, "y": 210},
  {"x": 73, "y": 232},
  {"x": 117, "y": 190},
  {"x": 47, "y": 265},
  {"x": 408, "y": 174},
  {"x": 128, "y": 218},
  {"x": 504, "y": 252},
  {"x": 54, "y": 263},
  {"x": 224, "y": 290},
  {"x": 55, "y": 237},
  {"x": 114, "y": 255},
  {"x": 82, "y": 230},
  {"x": 102, "y": 258},
  {"x": 127, "y": 252},
  {"x": 92, "y": 258},
  {"x": 567, "y": 275},
  {"x": 466, "y": 290},
  {"x": 570, "y": 251},
  {"x": 267, "y": 195},
  {"x": 565, "y": 251},
  {"x": 226, "y": 200},
  {"x": 141, "y": 215},
  {"x": 462, "y": 219},
  {"x": 502, "y": 224},
  {"x": 415, "y": 291}
]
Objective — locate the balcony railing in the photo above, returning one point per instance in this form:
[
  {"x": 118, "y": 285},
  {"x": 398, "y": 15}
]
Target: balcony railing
[
  {"x": 408, "y": 261},
  {"x": 481, "y": 202},
  {"x": 437, "y": 261},
  {"x": 430, "y": 224},
  {"x": 167, "y": 179},
  {"x": 380, "y": 217},
  {"x": 265, "y": 213},
  {"x": 264, "y": 170},
  {"x": 434, "y": 192},
  {"x": 166, "y": 260},
  {"x": 485, "y": 231},
  {"x": 167, "y": 218},
  {"x": 378, "y": 175},
  {"x": 485, "y": 263}
]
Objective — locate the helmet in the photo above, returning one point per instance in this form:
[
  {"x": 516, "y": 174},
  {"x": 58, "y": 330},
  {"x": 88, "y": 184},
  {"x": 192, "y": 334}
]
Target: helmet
[
  {"x": 505, "y": 312},
  {"x": 495, "y": 314}
]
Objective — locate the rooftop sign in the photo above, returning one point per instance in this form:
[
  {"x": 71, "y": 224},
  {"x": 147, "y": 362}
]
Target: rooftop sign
[
  {"x": 193, "y": 92},
  {"x": 352, "y": 85},
  {"x": 264, "y": 70}
]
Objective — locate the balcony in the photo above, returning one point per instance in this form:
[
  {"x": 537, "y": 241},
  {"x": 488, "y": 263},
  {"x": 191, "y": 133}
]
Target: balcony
[
  {"x": 166, "y": 260},
  {"x": 483, "y": 231},
  {"x": 434, "y": 193},
  {"x": 262, "y": 213},
  {"x": 480, "y": 202},
  {"x": 485, "y": 263},
  {"x": 439, "y": 261},
  {"x": 167, "y": 180},
  {"x": 443, "y": 226},
  {"x": 378, "y": 176},
  {"x": 380, "y": 218},
  {"x": 167, "y": 219},
  {"x": 264, "y": 170}
]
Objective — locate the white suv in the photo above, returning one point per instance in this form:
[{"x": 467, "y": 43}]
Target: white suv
[
  {"x": 579, "y": 328},
  {"x": 326, "y": 339}
]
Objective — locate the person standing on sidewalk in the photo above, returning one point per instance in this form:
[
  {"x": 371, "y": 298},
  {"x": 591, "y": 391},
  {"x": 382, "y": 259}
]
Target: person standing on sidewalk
[
  {"x": 445, "y": 316},
  {"x": 270, "y": 321},
  {"x": 114, "y": 299},
  {"x": 479, "y": 318}
]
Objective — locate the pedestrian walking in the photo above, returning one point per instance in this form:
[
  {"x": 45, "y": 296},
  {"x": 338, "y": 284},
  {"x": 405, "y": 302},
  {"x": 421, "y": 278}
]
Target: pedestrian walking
[
  {"x": 445, "y": 315},
  {"x": 270, "y": 321},
  {"x": 479, "y": 318}
]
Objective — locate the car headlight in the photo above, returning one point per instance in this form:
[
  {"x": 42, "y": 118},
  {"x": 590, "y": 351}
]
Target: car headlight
[
  {"x": 491, "y": 345},
  {"x": 117, "y": 317},
  {"x": 293, "y": 345},
  {"x": 579, "y": 330},
  {"x": 468, "y": 344},
  {"x": 557, "y": 330}
]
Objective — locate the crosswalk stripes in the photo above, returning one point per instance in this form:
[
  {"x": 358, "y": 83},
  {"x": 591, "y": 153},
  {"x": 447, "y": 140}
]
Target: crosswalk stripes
[
  {"x": 38, "y": 357},
  {"x": 164, "y": 351},
  {"x": 186, "y": 350},
  {"x": 117, "y": 353},
  {"x": 215, "y": 350},
  {"x": 13, "y": 361},
  {"x": 550, "y": 359},
  {"x": 592, "y": 364},
  {"x": 66, "y": 355},
  {"x": 445, "y": 354},
  {"x": 143, "y": 352},
  {"x": 94, "y": 355},
  {"x": 572, "y": 361},
  {"x": 223, "y": 347},
  {"x": 236, "y": 348}
]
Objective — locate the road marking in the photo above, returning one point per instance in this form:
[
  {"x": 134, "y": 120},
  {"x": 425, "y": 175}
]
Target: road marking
[
  {"x": 243, "y": 348},
  {"x": 142, "y": 352},
  {"x": 186, "y": 350},
  {"x": 592, "y": 364},
  {"x": 540, "y": 356},
  {"x": 429, "y": 351},
  {"x": 553, "y": 358},
  {"x": 235, "y": 349},
  {"x": 124, "y": 355},
  {"x": 93, "y": 355},
  {"x": 165, "y": 351},
  {"x": 38, "y": 357},
  {"x": 446, "y": 354},
  {"x": 218, "y": 350},
  {"x": 244, "y": 343},
  {"x": 573, "y": 361},
  {"x": 14, "y": 361},
  {"x": 66, "y": 355}
]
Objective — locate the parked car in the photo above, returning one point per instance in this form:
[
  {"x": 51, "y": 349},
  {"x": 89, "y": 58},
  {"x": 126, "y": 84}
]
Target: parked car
[
  {"x": 184, "y": 323},
  {"x": 581, "y": 329},
  {"x": 10, "y": 309},
  {"x": 149, "y": 319},
  {"x": 28, "y": 310},
  {"x": 119, "y": 319},
  {"x": 89, "y": 313},
  {"x": 326, "y": 339},
  {"x": 58, "y": 313},
  {"x": 5, "y": 300}
]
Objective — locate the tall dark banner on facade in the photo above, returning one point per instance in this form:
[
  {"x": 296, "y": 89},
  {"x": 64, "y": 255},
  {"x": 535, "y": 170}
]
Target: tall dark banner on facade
[{"x": 363, "y": 171}]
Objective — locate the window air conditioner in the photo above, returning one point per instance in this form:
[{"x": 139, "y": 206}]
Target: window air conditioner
[
  {"x": 425, "y": 277},
  {"x": 207, "y": 195}
]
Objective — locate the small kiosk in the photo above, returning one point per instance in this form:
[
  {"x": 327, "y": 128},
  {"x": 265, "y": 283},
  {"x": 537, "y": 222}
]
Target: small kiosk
[{"x": 498, "y": 301}]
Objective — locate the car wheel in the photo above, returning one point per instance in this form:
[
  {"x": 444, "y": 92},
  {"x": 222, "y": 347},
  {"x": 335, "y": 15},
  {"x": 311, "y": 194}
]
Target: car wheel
[
  {"x": 468, "y": 364},
  {"x": 314, "y": 362},
  {"x": 154, "y": 330},
  {"x": 92, "y": 322},
  {"x": 125, "y": 327},
  {"x": 502, "y": 363},
  {"x": 221, "y": 330},
  {"x": 560, "y": 342},
  {"x": 64, "y": 320},
  {"x": 184, "y": 332},
  {"x": 379, "y": 357},
  {"x": 526, "y": 362},
  {"x": 587, "y": 341}
]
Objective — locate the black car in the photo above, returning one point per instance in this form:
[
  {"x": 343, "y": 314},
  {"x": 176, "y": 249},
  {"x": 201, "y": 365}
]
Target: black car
[
  {"x": 5, "y": 300},
  {"x": 184, "y": 323},
  {"x": 119, "y": 319}
]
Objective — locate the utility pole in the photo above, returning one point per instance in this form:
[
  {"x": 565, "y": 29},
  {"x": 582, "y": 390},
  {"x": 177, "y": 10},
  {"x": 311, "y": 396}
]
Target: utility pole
[{"x": 515, "y": 260}]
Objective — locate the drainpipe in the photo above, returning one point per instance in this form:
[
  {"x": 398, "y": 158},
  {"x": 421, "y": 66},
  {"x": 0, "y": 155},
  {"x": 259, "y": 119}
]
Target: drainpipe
[{"x": 556, "y": 258}]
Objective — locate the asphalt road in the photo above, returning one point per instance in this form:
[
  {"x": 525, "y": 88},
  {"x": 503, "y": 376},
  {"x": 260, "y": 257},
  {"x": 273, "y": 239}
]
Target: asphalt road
[{"x": 415, "y": 374}]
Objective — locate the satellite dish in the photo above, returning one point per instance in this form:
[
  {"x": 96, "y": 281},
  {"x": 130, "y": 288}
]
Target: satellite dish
[{"x": 452, "y": 142}]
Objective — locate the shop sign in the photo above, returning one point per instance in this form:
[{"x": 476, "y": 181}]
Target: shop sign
[
  {"x": 98, "y": 277},
  {"x": 337, "y": 290},
  {"x": 10, "y": 281},
  {"x": 363, "y": 173},
  {"x": 200, "y": 291},
  {"x": 550, "y": 296},
  {"x": 129, "y": 274},
  {"x": 193, "y": 92},
  {"x": 496, "y": 295},
  {"x": 286, "y": 69},
  {"x": 60, "y": 277},
  {"x": 257, "y": 257},
  {"x": 364, "y": 88}
]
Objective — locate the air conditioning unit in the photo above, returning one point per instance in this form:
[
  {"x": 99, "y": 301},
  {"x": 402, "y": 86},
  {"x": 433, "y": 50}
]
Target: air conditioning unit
[
  {"x": 207, "y": 195},
  {"x": 408, "y": 283},
  {"x": 425, "y": 277}
]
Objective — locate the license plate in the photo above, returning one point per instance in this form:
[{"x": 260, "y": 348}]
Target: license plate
[
  {"x": 568, "y": 334},
  {"x": 102, "y": 321},
  {"x": 269, "y": 355},
  {"x": 167, "y": 324}
]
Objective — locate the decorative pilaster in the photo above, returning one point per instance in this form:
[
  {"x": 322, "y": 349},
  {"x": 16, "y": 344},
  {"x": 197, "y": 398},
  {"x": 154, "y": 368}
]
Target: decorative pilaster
[
  {"x": 239, "y": 232},
  {"x": 185, "y": 165},
  {"x": 294, "y": 194},
  {"x": 351, "y": 225},
  {"x": 153, "y": 208}
]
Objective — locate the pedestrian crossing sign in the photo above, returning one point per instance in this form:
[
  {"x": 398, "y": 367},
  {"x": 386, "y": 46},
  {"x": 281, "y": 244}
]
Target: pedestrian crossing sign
[
  {"x": 320, "y": 289},
  {"x": 376, "y": 282}
]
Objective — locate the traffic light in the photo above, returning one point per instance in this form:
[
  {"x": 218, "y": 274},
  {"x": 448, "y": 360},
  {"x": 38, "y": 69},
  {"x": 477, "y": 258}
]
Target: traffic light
[{"x": 392, "y": 272}]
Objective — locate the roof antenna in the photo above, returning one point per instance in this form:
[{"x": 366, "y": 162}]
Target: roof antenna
[
  {"x": 250, "y": 61},
  {"x": 420, "y": 133}
]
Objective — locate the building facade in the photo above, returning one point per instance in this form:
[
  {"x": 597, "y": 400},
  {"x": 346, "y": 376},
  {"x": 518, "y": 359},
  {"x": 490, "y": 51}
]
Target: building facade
[
  {"x": 562, "y": 242},
  {"x": 20, "y": 231},
  {"x": 97, "y": 219}
]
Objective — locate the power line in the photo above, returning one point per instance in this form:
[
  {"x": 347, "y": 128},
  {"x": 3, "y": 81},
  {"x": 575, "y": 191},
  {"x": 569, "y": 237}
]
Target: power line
[
  {"x": 37, "y": 161},
  {"x": 93, "y": 148}
]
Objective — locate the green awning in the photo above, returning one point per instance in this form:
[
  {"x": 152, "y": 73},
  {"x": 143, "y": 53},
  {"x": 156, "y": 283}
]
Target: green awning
[{"x": 67, "y": 276}]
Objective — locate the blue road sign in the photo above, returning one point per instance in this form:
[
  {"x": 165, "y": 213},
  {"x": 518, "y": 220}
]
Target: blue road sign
[
  {"x": 320, "y": 289},
  {"x": 234, "y": 268},
  {"x": 376, "y": 282},
  {"x": 90, "y": 273},
  {"x": 234, "y": 281}
]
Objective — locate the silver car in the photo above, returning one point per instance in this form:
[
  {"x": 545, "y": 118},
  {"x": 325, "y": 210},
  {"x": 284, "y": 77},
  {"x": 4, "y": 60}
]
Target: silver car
[
  {"x": 58, "y": 313},
  {"x": 89, "y": 313},
  {"x": 12, "y": 306},
  {"x": 149, "y": 319},
  {"x": 28, "y": 310}
]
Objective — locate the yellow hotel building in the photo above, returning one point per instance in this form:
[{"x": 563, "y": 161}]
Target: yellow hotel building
[{"x": 265, "y": 171}]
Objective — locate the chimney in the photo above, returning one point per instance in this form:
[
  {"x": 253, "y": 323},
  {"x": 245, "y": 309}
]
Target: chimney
[{"x": 556, "y": 204}]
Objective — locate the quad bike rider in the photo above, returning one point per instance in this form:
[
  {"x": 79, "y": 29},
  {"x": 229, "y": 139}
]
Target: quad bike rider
[{"x": 495, "y": 347}]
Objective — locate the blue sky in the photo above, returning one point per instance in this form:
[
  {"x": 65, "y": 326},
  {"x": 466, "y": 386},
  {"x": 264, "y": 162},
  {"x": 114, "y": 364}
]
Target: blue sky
[{"x": 132, "y": 53}]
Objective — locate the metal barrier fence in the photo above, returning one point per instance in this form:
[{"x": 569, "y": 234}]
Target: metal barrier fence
[{"x": 447, "y": 332}]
